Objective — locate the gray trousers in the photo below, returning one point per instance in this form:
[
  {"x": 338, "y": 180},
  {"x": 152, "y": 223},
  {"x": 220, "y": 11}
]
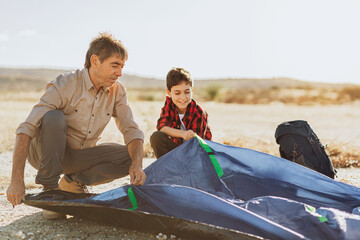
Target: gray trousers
[
  {"x": 161, "y": 143},
  {"x": 49, "y": 154}
]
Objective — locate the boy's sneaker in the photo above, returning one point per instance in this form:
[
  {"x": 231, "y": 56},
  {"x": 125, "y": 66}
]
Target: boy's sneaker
[{"x": 68, "y": 185}]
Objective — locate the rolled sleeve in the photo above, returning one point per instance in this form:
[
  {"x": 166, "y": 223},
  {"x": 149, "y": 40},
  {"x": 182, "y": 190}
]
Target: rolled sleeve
[
  {"x": 51, "y": 100},
  {"x": 26, "y": 128}
]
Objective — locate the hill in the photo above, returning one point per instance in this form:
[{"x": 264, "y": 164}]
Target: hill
[
  {"x": 20, "y": 79},
  {"x": 239, "y": 90}
]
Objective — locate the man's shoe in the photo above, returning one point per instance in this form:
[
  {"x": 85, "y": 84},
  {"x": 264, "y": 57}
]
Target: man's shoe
[
  {"x": 50, "y": 215},
  {"x": 68, "y": 185}
]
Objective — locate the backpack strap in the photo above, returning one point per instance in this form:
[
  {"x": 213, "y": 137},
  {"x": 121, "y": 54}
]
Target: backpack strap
[{"x": 325, "y": 161}]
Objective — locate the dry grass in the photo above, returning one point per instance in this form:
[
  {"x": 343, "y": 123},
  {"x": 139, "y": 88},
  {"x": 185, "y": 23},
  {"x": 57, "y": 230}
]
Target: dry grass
[
  {"x": 12, "y": 113},
  {"x": 299, "y": 96},
  {"x": 249, "y": 126},
  {"x": 344, "y": 156},
  {"x": 302, "y": 96},
  {"x": 341, "y": 155}
]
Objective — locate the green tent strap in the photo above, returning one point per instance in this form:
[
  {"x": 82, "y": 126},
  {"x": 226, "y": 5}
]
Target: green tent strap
[
  {"x": 313, "y": 210},
  {"x": 215, "y": 163},
  {"x": 323, "y": 219},
  {"x": 132, "y": 199}
]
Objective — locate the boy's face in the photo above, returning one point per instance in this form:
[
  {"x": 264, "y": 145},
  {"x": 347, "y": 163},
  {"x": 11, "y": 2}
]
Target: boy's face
[{"x": 181, "y": 95}]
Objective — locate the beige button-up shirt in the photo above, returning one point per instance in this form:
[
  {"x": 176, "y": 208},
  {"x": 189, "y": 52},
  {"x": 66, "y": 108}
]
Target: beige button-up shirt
[{"x": 87, "y": 111}]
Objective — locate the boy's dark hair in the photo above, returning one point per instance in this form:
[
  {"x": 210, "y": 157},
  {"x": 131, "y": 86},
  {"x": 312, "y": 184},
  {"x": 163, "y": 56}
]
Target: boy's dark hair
[
  {"x": 177, "y": 75},
  {"x": 104, "y": 46}
]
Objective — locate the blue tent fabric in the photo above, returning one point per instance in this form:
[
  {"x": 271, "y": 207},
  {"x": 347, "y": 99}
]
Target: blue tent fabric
[
  {"x": 258, "y": 194},
  {"x": 270, "y": 175}
]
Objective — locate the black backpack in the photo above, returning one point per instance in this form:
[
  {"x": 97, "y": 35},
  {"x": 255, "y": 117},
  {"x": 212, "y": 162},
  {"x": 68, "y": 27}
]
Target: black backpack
[{"x": 299, "y": 143}]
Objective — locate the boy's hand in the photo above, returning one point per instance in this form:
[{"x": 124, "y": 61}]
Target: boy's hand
[{"x": 189, "y": 134}]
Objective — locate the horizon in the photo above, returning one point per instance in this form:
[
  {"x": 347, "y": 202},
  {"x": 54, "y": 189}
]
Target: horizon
[
  {"x": 198, "y": 79},
  {"x": 254, "y": 39}
]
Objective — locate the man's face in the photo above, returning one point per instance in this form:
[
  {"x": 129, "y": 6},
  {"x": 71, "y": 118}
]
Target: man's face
[
  {"x": 181, "y": 95},
  {"x": 107, "y": 72}
]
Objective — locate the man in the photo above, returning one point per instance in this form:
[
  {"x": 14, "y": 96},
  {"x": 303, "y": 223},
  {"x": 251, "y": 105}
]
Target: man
[{"x": 60, "y": 134}]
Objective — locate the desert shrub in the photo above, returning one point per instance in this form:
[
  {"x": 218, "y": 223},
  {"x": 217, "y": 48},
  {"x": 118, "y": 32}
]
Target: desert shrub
[
  {"x": 146, "y": 97},
  {"x": 352, "y": 93},
  {"x": 343, "y": 156},
  {"x": 212, "y": 91},
  {"x": 305, "y": 87},
  {"x": 297, "y": 96},
  {"x": 237, "y": 96}
]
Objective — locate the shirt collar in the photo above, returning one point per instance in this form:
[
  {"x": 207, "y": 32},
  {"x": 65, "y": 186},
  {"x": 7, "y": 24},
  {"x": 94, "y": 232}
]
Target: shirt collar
[
  {"x": 88, "y": 84},
  {"x": 87, "y": 80}
]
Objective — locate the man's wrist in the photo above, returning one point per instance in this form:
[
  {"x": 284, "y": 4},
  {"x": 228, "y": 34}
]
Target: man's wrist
[
  {"x": 137, "y": 165},
  {"x": 17, "y": 180}
]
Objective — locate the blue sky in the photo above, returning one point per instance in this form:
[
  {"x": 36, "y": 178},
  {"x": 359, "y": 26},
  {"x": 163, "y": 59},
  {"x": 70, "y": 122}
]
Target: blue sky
[{"x": 314, "y": 40}]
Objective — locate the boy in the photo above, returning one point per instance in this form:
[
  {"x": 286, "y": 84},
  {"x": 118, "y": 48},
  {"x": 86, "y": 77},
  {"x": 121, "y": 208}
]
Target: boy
[{"x": 181, "y": 117}]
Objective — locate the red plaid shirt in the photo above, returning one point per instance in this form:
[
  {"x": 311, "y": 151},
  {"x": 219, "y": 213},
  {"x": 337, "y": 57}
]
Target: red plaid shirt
[{"x": 195, "y": 119}]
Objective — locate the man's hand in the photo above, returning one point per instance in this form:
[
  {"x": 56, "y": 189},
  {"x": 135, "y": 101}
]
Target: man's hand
[
  {"x": 137, "y": 176},
  {"x": 136, "y": 152},
  {"x": 16, "y": 192},
  {"x": 189, "y": 134}
]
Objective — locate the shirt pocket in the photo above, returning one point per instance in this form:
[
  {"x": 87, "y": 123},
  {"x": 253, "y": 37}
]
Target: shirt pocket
[
  {"x": 107, "y": 114},
  {"x": 70, "y": 110},
  {"x": 77, "y": 116}
]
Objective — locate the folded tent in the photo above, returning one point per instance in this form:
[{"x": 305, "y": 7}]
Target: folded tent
[{"x": 222, "y": 191}]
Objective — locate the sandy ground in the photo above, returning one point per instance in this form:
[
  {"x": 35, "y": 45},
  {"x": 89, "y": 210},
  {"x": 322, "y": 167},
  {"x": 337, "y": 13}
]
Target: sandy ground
[
  {"x": 26, "y": 222},
  {"x": 253, "y": 125}
]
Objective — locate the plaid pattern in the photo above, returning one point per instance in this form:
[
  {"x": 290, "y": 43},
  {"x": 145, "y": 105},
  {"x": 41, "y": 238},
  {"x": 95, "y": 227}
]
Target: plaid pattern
[{"x": 195, "y": 119}]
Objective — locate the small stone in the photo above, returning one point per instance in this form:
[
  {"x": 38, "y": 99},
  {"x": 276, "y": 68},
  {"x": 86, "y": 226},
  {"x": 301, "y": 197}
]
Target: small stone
[
  {"x": 161, "y": 236},
  {"x": 20, "y": 235}
]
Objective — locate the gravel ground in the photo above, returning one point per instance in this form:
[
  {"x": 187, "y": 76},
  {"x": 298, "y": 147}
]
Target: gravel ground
[{"x": 25, "y": 222}]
